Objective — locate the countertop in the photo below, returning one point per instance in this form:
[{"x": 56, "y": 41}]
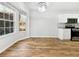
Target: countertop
[{"x": 63, "y": 25}]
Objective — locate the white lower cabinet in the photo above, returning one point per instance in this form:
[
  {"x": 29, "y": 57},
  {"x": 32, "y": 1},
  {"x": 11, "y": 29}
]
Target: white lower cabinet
[{"x": 64, "y": 33}]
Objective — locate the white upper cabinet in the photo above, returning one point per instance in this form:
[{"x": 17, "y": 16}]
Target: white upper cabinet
[{"x": 63, "y": 17}]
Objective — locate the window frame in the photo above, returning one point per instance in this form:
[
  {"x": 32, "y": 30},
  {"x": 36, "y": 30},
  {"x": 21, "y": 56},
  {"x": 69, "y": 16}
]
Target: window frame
[{"x": 7, "y": 20}]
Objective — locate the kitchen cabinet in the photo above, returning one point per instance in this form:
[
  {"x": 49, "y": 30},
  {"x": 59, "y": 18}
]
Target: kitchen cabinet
[{"x": 64, "y": 34}]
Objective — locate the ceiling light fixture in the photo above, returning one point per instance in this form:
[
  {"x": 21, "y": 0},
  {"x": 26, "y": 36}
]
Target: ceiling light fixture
[{"x": 42, "y": 6}]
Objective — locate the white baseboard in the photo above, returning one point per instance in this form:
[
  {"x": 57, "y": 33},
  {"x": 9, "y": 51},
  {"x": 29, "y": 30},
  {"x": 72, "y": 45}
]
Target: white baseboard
[
  {"x": 45, "y": 36},
  {"x": 24, "y": 38}
]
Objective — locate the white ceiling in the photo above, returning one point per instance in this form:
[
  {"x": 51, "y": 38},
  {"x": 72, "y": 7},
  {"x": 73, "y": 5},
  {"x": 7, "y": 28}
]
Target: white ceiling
[{"x": 56, "y": 6}]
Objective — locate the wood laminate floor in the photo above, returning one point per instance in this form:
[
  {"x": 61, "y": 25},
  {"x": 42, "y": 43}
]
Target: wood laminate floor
[{"x": 42, "y": 47}]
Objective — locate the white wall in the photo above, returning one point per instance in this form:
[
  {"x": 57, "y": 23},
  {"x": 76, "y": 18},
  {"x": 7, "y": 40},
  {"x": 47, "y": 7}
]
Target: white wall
[
  {"x": 9, "y": 39},
  {"x": 43, "y": 24}
]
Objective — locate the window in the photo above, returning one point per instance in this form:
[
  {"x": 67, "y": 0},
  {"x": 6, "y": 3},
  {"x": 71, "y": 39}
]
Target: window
[
  {"x": 22, "y": 24},
  {"x": 6, "y": 20},
  {"x": 1, "y": 15}
]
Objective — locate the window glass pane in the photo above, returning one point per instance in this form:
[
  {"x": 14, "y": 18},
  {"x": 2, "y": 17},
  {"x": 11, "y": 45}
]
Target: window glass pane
[
  {"x": 11, "y": 24},
  {"x": 1, "y": 31},
  {"x": 7, "y": 16},
  {"x": 11, "y": 30},
  {"x": 1, "y": 23},
  {"x": 1, "y": 15},
  {"x": 7, "y": 24},
  {"x": 7, "y": 30},
  {"x": 11, "y": 16}
]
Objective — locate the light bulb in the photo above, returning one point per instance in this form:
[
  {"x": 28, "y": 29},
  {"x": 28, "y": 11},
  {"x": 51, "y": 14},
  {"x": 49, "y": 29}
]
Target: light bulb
[{"x": 42, "y": 9}]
